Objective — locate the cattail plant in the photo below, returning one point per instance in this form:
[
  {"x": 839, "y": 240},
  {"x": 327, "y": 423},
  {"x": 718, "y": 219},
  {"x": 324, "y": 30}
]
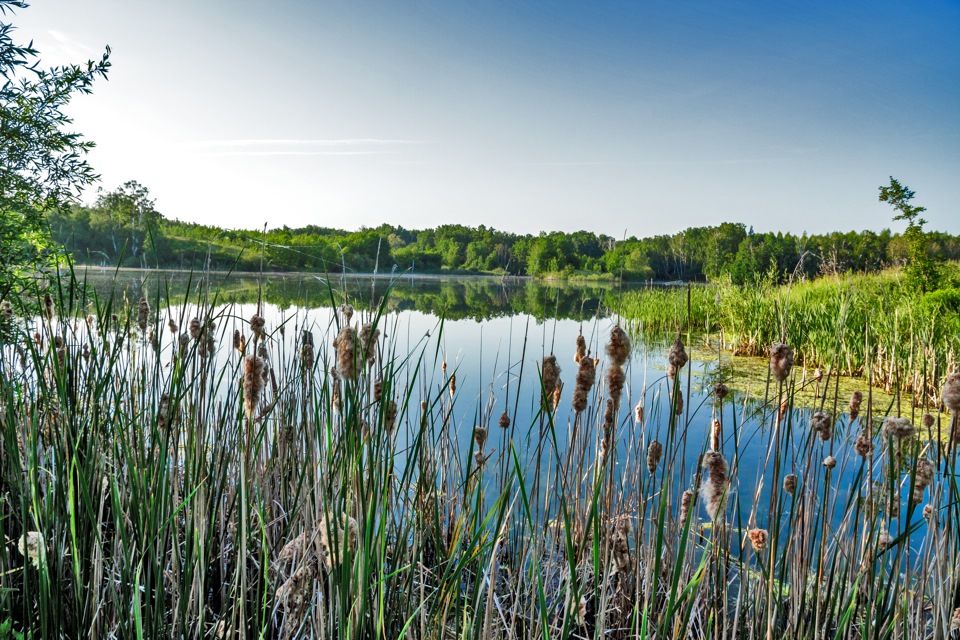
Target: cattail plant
[
  {"x": 346, "y": 347},
  {"x": 195, "y": 327},
  {"x": 253, "y": 383},
  {"x": 504, "y": 421},
  {"x": 257, "y": 323},
  {"x": 821, "y": 423},
  {"x": 714, "y": 488},
  {"x": 781, "y": 361},
  {"x": 720, "y": 391},
  {"x": 758, "y": 539},
  {"x": 586, "y": 377},
  {"x": 790, "y": 483},
  {"x": 143, "y": 314},
  {"x": 654, "y": 453},
  {"x": 368, "y": 339},
  {"x": 550, "y": 376},
  {"x": 307, "y": 355},
  {"x": 581, "y": 351},
  {"x": 856, "y": 398}
]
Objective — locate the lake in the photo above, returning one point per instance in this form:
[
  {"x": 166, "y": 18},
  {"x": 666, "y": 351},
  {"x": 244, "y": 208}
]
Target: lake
[{"x": 492, "y": 335}]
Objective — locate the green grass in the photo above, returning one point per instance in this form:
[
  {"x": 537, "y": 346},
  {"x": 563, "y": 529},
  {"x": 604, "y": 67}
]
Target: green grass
[{"x": 167, "y": 510}]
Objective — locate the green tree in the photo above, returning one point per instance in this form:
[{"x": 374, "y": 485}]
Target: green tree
[
  {"x": 126, "y": 215},
  {"x": 922, "y": 271},
  {"x": 43, "y": 165}
]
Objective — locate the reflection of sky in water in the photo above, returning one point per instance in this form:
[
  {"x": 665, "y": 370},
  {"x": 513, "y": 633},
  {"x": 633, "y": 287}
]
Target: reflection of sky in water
[{"x": 497, "y": 359}]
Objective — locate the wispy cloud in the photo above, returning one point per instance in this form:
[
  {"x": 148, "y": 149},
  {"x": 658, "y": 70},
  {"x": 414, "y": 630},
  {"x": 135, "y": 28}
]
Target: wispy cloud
[
  {"x": 72, "y": 49},
  {"x": 294, "y": 152},
  {"x": 262, "y": 147},
  {"x": 298, "y": 142}
]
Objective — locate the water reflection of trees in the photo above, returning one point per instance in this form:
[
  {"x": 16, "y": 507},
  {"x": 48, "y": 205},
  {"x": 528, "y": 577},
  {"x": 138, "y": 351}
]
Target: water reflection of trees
[{"x": 453, "y": 297}]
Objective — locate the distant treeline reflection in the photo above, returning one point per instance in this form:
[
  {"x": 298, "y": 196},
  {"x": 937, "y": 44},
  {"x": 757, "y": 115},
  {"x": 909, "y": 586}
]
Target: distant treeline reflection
[{"x": 455, "y": 298}]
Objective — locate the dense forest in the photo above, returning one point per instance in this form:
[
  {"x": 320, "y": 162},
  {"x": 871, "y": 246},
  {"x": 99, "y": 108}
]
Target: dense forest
[{"x": 124, "y": 228}]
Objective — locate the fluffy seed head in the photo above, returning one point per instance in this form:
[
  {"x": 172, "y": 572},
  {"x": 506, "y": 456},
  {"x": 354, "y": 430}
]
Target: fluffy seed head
[
  {"x": 781, "y": 361},
  {"x": 830, "y": 462},
  {"x": 654, "y": 453},
  {"x": 390, "y": 415},
  {"x": 951, "y": 392},
  {"x": 453, "y": 385},
  {"x": 480, "y": 436},
  {"x": 638, "y": 412},
  {"x": 33, "y": 547},
  {"x": 586, "y": 377},
  {"x": 615, "y": 381},
  {"x": 581, "y": 351},
  {"x": 715, "y": 434},
  {"x": 864, "y": 444},
  {"x": 677, "y": 356},
  {"x": 377, "y": 390},
  {"x": 347, "y": 311},
  {"x": 928, "y": 511},
  {"x": 195, "y": 327},
  {"x": 822, "y": 424},
  {"x": 720, "y": 391},
  {"x": 618, "y": 349},
  {"x": 685, "y": 501},
  {"x": 928, "y": 420},
  {"x": 897, "y": 428},
  {"x": 925, "y": 472},
  {"x": 855, "y": 399},
  {"x": 790, "y": 483},
  {"x": 183, "y": 342},
  {"x": 758, "y": 539},
  {"x": 368, "y": 338},
  {"x": 48, "y": 306},
  {"x": 504, "y": 421},
  {"x": 256, "y": 325},
  {"x": 550, "y": 374},
  {"x": 885, "y": 540},
  {"x": 678, "y": 400},
  {"x": 345, "y": 344},
  {"x": 253, "y": 370},
  {"x": 143, "y": 313},
  {"x": 171, "y": 324}
]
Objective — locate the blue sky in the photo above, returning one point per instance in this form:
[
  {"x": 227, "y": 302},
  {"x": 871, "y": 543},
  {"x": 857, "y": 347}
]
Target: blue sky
[{"x": 616, "y": 117}]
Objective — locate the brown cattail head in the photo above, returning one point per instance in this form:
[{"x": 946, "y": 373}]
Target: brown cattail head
[
  {"x": 257, "y": 324},
  {"x": 609, "y": 418},
  {"x": 928, "y": 420},
  {"x": 781, "y": 361},
  {"x": 368, "y": 338},
  {"x": 253, "y": 383},
  {"x": 307, "y": 354},
  {"x": 615, "y": 381},
  {"x": 897, "y": 428},
  {"x": 550, "y": 375},
  {"x": 346, "y": 311},
  {"x": 685, "y": 501},
  {"x": 864, "y": 444},
  {"x": 453, "y": 385},
  {"x": 925, "y": 473},
  {"x": 377, "y": 389},
  {"x": 817, "y": 375},
  {"x": 677, "y": 356},
  {"x": 790, "y": 483},
  {"x": 830, "y": 462},
  {"x": 951, "y": 392},
  {"x": 955, "y": 620},
  {"x": 586, "y": 377},
  {"x": 856, "y": 398},
  {"x": 143, "y": 313},
  {"x": 504, "y": 421},
  {"x": 758, "y": 539},
  {"x": 390, "y": 416},
  {"x": 163, "y": 412},
  {"x": 885, "y": 540},
  {"x": 713, "y": 490},
  {"x": 678, "y": 402},
  {"x": 345, "y": 344},
  {"x": 618, "y": 349},
  {"x": 581, "y": 351},
  {"x": 237, "y": 340},
  {"x": 720, "y": 391},
  {"x": 195, "y": 327},
  {"x": 480, "y": 459},
  {"x": 638, "y": 412},
  {"x": 654, "y": 453},
  {"x": 154, "y": 342},
  {"x": 171, "y": 325},
  {"x": 821, "y": 423},
  {"x": 556, "y": 397},
  {"x": 48, "y": 306},
  {"x": 928, "y": 513},
  {"x": 716, "y": 433},
  {"x": 480, "y": 436}
]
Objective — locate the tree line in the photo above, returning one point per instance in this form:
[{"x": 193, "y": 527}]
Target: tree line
[{"x": 124, "y": 228}]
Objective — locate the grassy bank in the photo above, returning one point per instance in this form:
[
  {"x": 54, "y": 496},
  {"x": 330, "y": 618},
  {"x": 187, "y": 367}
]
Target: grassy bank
[
  {"x": 868, "y": 326},
  {"x": 163, "y": 476}
]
